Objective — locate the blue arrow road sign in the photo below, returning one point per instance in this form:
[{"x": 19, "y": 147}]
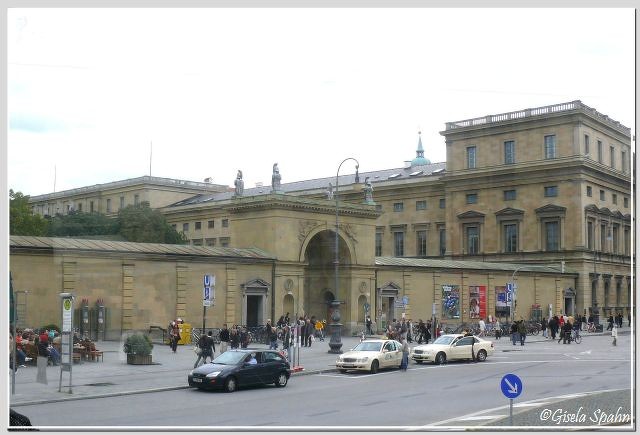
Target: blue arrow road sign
[{"x": 511, "y": 386}]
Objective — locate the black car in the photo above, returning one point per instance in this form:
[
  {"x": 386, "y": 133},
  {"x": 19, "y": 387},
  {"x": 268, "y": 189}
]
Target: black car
[{"x": 242, "y": 367}]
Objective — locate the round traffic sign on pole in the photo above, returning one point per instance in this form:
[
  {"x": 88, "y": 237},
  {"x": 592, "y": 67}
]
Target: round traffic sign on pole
[{"x": 511, "y": 386}]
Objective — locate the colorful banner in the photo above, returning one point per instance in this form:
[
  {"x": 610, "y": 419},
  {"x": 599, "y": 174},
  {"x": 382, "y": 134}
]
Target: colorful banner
[
  {"x": 478, "y": 302},
  {"x": 450, "y": 301}
]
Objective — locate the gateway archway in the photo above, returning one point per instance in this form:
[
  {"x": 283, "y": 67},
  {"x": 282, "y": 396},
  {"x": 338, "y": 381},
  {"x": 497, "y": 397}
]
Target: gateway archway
[{"x": 319, "y": 282}]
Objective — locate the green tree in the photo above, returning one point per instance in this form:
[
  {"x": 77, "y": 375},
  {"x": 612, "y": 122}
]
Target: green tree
[
  {"x": 82, "y": 224},
  {"x": 140, "y": 223},
  {"x": 22, "y": 222}
]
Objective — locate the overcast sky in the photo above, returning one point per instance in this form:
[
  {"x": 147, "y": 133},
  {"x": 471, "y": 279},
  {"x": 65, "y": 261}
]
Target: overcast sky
[{"x": 217, "y": 90}]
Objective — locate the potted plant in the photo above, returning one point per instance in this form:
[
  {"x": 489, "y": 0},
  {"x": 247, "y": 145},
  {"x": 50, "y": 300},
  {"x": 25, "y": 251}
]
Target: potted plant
[{"x": 138, "y": 349}]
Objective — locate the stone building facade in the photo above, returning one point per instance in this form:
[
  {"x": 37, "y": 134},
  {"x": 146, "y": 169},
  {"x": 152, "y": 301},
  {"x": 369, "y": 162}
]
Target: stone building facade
[{"x": 541, "y": 197}]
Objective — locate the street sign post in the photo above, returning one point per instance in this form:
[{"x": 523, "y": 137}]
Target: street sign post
[
  {"x": 208, "y": 295},
  {"x": 511, "y": 387}
]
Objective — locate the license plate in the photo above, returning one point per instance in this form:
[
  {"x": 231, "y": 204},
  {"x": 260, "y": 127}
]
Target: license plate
[{"x": 197, "y": 380}]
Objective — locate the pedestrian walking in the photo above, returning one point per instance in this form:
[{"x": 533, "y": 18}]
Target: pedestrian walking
[
  {"x": 224, "y": 338},
  {"x": 287, "y": 342},
  {"x": 514, "y": 333},
  {"x": 473, "y": 340},
  {"x": 273, "y": 338},
  {"x": 482, "y": 326},
  {"x": 497, "y": 330},
  {"x": 544, "y": 324},
  {"x": 610, "y": 321},
  {"x": 522, "y": 331},
  {"x": 174, "y": 335},
  {"x": 368, "y": 322},
  {"x": 405, "y": 356},
  {"x": 234, "y": 338},
  {"x": 207, "y": 349}
]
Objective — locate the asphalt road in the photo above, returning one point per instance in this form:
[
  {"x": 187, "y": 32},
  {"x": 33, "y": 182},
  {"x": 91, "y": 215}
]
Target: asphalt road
[{"x": 454, "y": 395}]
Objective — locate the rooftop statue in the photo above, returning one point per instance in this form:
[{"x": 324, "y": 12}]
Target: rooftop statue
[
  {"x": 239, "y": 183},
  {"x": 275, "y": 179},
  {"x": 368, "y": 191},
  {"x": 329, "y": 191}
]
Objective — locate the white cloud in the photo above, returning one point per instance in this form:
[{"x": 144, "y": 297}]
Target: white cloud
[{"x": 218, "y": 90}]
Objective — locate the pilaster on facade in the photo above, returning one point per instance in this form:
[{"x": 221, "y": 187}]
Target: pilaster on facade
[
  {"x": 408, "y": 293},
  {"x": 182, "y": 273},
  {"x": 231, "y": 295},
  {"x": 128, "y": 288},
  {"x": 68, "y": 276}
]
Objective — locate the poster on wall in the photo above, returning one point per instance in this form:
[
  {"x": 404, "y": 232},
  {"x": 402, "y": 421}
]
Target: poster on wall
[
  {"x": 450, "y": 301},
  {"x": 502, "y": 305},
  {"x": 477, "y": 302}
]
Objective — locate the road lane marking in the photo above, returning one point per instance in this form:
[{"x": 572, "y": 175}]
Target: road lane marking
[{"x": 482, "y": 417}]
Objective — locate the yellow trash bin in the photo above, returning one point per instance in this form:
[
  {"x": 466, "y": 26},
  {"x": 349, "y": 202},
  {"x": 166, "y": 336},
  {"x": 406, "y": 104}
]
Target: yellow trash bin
[{"x": 185, "y": 333}]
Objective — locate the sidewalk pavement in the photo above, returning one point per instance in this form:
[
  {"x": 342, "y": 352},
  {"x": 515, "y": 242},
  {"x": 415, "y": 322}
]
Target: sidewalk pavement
[{"x": 114, "y": 377}]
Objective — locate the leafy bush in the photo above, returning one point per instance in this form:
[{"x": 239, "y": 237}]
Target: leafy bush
[{"x": 138, "y": 344}]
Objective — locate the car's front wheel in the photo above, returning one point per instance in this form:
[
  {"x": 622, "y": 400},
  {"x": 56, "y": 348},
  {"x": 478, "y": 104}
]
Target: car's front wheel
[
  {"x": 375, "y": 365},
  {"x": 441, "y": 358},
  {"x": 481, "y": 356},
  {"x": 231, "y": 385},
  {"x": 281, "y": 380}
]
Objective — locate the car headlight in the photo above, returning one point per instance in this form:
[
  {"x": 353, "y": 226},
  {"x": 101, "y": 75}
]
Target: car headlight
[
  {"x": 191, "y": 373},
  {"x": 214, "y": 374},
  {"x": 365, "y": 359},
  {"x": 340, "y": 359}
]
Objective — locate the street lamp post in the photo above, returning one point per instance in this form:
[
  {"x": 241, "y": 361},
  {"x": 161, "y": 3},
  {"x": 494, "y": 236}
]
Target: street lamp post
[{"x": 336, "y": 327}]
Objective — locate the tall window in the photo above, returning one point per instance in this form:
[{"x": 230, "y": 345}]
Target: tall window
[
  {"x": 612, "y": 157},
  {"x": 626, "y": 202},
  {"x": 472, "y": 198},
  {"x": 600, "y": 151},
  {"x": 627, "y": 240},
  {"x": 210, "y": 224},
  {"x": 225, "y": 223},
  {"x": 471, "y": 157},
  {"x": 224, "y": 242},
  {"x": 509, "y": 152},
  {"x": 586, "y": 144},
  {"x": 603, "y": 237},
  {"x": 79, "y": 206},
  {"x": 614, "y": 235},
  {"x": 510, "y": 237},
  {"x": 136, "y": 200},
  {"x": 398, "y": 243},
  {"x": 442, "y": 234},
  {"x": 109, "y": 205},
  {"x": 210, "y": 242},
  {"x": 550, "y": 146},
  {"x": 398, "y": 206},
  {"x": 421, "y": 242},
  {"x": 421, "y": 205},
  {"x": 623, "y": 161},
  {"x": 550, "y": 191},
  {"x": 91, "y": 210},
  {"x": 185, "y": 227},
  {"x": 614, "y": 198},
  {"x": 198, "y": 226},
  {"x": 602, "y": 195},
  {"x": 552, "y": 235},
  {"x": 589, "y": 191},
  {"x": 378, "y": 244},
  {"x": 121, "y": 202},
  {"x": 473, "y": 239},
  {"x": 441, "y": 203},
  {"x": 590, "y": 235}
]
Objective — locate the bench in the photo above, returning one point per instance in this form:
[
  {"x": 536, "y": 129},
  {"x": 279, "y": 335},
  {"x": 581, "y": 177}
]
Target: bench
[{"x": 96, "y": 355}]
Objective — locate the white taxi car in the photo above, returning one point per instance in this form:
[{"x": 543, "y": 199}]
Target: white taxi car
[
  {"x": 452, "y": 347},
  {"x": 371, "y": 355}
]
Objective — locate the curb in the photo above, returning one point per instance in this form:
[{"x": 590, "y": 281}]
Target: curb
[{"x": 149, "y": 390}]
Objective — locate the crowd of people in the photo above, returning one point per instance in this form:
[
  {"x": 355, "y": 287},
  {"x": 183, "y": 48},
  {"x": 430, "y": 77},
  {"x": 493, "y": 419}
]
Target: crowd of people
[
  {"x": 407, "y": 329},
  {"x": 43, "y": 343}
]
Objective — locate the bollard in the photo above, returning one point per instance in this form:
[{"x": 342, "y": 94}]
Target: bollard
[
  {"x": 614, "y": 334},
  {"x": 41, "y": 377}
]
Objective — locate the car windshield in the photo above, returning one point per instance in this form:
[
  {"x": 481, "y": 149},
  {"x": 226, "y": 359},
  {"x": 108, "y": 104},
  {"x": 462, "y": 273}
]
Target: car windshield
[
  {"x": 368, "y": 346},
  {"x": 445, "y": 339},
  {"x": 230, "y": 358}
]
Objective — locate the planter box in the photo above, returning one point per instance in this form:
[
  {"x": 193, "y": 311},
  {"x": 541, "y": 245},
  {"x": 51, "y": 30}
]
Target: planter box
[{"x": 132, "y": 358}]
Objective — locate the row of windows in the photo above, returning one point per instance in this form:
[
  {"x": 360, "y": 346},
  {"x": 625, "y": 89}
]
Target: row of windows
[
  {"x": 550, "y": 152},
  {"x": 224, "y": 242},
  {"x": 510, "y": 195},
  {"x": 509, "y": 151},
  {"x": 609, "y": 239},
  {"x": 612, "y": 153},
  {"x": 136, "y": 201},
  {"x": 420, "y": 205},
  {"x": 198, "y": 225},
  {"x": 421, "y": 243},
  {"x": 614, "y": 196}
]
